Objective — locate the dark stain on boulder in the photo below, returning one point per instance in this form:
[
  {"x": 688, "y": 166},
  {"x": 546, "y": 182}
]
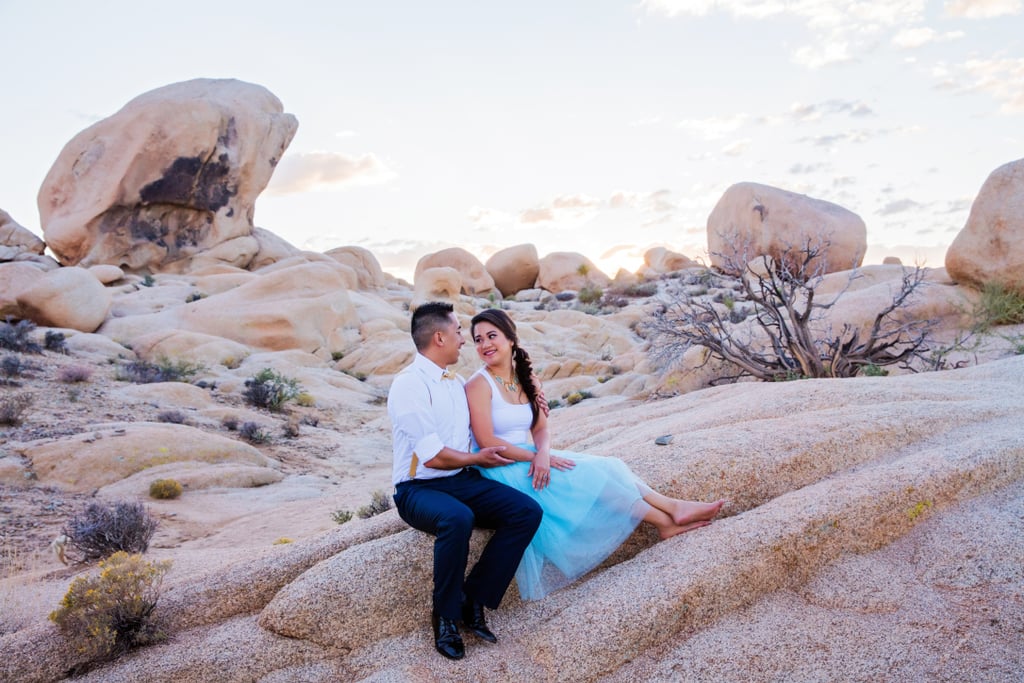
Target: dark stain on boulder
[{"x": 194, "y": 183}]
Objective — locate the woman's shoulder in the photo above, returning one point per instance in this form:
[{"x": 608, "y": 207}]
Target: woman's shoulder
[{"x": 477, "y": 382}]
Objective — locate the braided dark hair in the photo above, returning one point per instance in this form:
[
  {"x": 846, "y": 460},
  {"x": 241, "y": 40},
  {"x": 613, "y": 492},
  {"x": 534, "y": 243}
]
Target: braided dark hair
[{"x": 521, "y": 365}]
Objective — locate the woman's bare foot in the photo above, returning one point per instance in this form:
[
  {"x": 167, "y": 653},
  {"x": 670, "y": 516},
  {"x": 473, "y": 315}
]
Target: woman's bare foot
[
  {"x": 670, "y": 530},
  {"x": 686, "y": 512}
]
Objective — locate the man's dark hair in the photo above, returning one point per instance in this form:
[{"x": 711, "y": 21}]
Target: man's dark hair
[{"x": 428, "y": 319}]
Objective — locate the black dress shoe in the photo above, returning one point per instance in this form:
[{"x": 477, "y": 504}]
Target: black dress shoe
[
  {"x": 446, "y": 637},
  {"x": 473, "y": 619}
]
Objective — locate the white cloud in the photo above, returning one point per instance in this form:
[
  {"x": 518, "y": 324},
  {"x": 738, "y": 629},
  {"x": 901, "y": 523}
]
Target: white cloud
[
  {"x": 999, "y": 78},
  {"x": 898, "y": 206},
  {"x": 714, "y": 128},
  {"x": 842, "y": 29},
  {"x": 307, "y": 171},
  {"x": 487, "y": 218},
  {"x": 982, "y": 9},
  {"x": 920, "y": 36},
  {"x": 805, "y": 113},
  {"x": 565, "y": 211},
  {"x": 737, "y": 147}
]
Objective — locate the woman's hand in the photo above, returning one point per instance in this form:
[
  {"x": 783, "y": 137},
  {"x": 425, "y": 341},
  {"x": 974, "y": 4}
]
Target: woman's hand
[
  {"x": 563, "y": 464},
  {"x": 540, "y": 470}
]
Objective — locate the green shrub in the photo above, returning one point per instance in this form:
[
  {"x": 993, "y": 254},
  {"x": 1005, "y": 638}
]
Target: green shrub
[
  {"x": 341, "y": 516},
  {"x": 164, "y": 489},
  {"x": 305, "y": 399},
  {"x": 589, "y": 295},
  {"x": 577, "y": 396},
  {"x": 108, "y": 614},
  {"x": 872, "y": 370},
  {"x": 1000, "y": 306},
  {"x": 148, "y": 281},
  {"x": 379, "y": 502},
  {"x": 271, "y": 390},
  {"x": 102, "y": 530}
]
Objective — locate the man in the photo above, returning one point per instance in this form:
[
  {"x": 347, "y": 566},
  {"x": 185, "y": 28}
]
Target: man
[{"x": 437, "y": 492}]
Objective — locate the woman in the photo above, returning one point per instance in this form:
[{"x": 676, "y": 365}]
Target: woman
[{"x": 591, "y": 503}]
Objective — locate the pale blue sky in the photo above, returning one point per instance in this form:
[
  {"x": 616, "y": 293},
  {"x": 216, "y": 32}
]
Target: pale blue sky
[{"x": 598, "y": 126}]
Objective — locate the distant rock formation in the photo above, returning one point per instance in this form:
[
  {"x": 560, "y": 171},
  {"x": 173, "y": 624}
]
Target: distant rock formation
[
  {"x": 752, "y": 220},
  {"x": 16, "y": 240},
  {"x": 475, "y": 280},
  {"x": 567, "y": 270},
  {"x": 659, "y": 261},
  {"x": 990, "y": 247},
  {"x": 173, "y": 174},
  {"x": 514, "y": 269}
]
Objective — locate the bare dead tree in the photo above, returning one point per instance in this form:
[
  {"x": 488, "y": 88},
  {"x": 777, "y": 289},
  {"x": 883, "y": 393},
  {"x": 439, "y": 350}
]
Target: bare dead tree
[{"x": 786, "y": 338}]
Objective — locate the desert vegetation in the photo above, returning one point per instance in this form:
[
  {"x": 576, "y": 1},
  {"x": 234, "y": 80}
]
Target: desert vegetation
[
  {"x": 780, "y": 332},
  {"x": 108, "y": 613}
]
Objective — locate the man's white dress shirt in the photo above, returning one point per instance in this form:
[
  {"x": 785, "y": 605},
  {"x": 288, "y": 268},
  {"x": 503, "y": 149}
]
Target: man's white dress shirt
[{"x": 427, "y": 412}]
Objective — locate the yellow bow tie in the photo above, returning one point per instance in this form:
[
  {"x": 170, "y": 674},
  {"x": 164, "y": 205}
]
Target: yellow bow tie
[{"x": 448, "y": 374}]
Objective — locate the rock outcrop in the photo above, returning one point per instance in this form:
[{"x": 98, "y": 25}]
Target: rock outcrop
[
  {"x": 66, "y": 297},
  {"x": 659, "y": 261},
  {"x": 990, "y": 247},
  {"x": 514, "y": 269},
  {"x": 16, "y": 239},
  {"x": 174, "y": 173},
  {"x": 568, "y": 270},
  {"x": 752, "y": 220},
  {"x": 475, "y": 280}
]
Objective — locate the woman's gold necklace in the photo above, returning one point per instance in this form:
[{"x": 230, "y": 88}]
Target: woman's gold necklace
[{"x": 509, "y": 386}]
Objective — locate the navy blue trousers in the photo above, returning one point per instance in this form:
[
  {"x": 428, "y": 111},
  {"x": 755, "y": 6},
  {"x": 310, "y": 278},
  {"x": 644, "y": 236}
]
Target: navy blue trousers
[{"x": 449, "y": 508}]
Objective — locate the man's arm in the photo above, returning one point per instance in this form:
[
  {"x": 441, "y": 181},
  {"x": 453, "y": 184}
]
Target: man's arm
[{"x": 412, "y": 416}]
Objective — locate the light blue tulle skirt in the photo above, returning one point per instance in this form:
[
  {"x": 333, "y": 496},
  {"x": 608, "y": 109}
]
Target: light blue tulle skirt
[{"x": 588, "y": 512}]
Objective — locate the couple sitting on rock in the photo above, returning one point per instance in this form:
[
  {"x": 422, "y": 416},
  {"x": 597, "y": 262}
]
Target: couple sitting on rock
[{"x": 556, "y": 515}]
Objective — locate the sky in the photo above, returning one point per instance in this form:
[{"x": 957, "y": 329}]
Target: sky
[{"x": 596, "y": 126}]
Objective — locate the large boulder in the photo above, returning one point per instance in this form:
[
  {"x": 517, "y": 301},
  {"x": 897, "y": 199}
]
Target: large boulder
[
  {"x": 659, "y": 261},
  {"x": 476, "y": 280},
  {"x": 66, "y": 297},
  {"x": 15, "y": 278},
  {"x": 436, "y": 284},
  {"x": 752, "y": 220},
  {"x": 568, "y": 270},
  {"x": 990, "y": 247},
  {"x": 363, "y": 262},
  {"x": 514, "y": 269},
  {"x": 16, "y": 239},
  {"x": 175, "y": 172}
]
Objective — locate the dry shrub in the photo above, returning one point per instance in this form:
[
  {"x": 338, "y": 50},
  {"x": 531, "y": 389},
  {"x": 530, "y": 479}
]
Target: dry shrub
[
  {"x": 75, "y": 373},
  {"x": 110, "y": 613},
  {"x": 165, "y": 489},
  {"x": 380, "y": 502},
  {"x": 102, "y": 530},
  {"x": 12, "y": 408}
]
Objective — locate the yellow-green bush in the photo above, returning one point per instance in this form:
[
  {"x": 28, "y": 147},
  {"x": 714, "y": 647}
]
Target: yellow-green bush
[
  {"x": 164, "y": 489},
  {"x": 109, "y": 613}
]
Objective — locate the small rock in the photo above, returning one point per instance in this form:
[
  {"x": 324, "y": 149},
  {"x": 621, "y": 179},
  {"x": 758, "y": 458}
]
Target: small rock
[{"x": 664, "y": 440}]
